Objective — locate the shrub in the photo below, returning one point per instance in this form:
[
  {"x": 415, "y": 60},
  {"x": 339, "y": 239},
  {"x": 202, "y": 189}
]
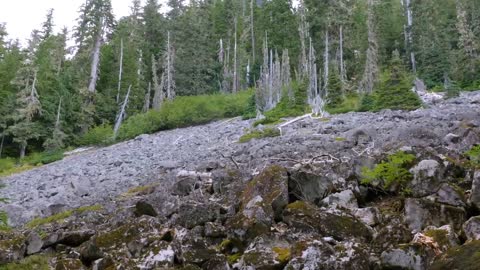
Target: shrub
[
  {"x": 35, "y": 262},
  {"x": 6, "y": 164},
  {"x": 258, "y": 134},
  {"x": 99, "y": 135},
  {"x": 392, "y": 173},
  {"x": 186, "y": 111},
  {"x": 349, "y": 104},
  {"x": 43, "y": 158}
]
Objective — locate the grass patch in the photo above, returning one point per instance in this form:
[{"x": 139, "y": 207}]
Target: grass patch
[
  {"x": 9, "y": 166},
  {"x": 62, "y": 216},
  {"x": 182, "y": 112},
  {"x": 258, "y": 134},
  {"x": 394, "y": 172},
  {"x": 351, "y": 103},
  {"x": 36, "y": 262},
  {"x": 473, "y": 156}
]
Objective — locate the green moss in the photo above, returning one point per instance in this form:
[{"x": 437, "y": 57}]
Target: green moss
[
  {"x": 393, "y": 171},
  {"x": 473, "y": 156},
  {"x": 36, "y": 262},
  {"x": 283, "y": 254},
  {"x": 258, "y": 134},
  {"x": 122, "y": 234},
  {"x": 440, "y": 236},
  {"x": 340, "y": 139},
  {"x": 232, "y": 259},
  {"x": 466, "y": 257},
  {"x": 62, "y": 216}
]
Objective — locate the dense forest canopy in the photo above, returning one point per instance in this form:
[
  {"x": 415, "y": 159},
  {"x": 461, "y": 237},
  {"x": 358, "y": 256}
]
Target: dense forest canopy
[{"x": 51, "y": 94}]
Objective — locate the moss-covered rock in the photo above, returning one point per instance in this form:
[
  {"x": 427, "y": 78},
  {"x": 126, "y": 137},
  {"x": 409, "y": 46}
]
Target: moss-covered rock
[
  {"x": 69, "y": 264},
  {"x": 420, "y": 213},
  {"x": 12, "y": 249},
  {"x": 466, "y": 257},
  {"x": 306, "y": 216},
  {"x": 261, "y": 202}
]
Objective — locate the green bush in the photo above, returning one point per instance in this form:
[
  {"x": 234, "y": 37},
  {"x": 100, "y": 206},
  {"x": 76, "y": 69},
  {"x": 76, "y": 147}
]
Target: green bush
[
  {"x": 6, "y": 164},
  {"x": 35, "y": 262},
  {"x": 43, "y": 158},
  {"x": 186, "y": 111},
  {"x": 99, "y": 135},
  {"x": 394, "y": 172},
  {"x": 258, "y": 134},
  {"x": 286, "y": 107},
  {"x": 350, "y": 103}
]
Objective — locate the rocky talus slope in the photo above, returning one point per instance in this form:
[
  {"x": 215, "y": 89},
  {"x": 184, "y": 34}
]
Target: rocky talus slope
[{"x": 195, "y": 198}]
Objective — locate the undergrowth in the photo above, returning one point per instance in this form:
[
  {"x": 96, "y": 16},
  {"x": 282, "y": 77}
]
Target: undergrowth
[
  {"x": 182, "y": 112},
  {"x": 393, "y": 172},
  {"x": 62, "y": 216}
]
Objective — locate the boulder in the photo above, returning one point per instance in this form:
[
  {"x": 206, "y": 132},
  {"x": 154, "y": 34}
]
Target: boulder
[
  {"x": 144, "y": 208},
  {"x": 402, "y": 259},
  {"x": 465, "y": 257},
  {"x": 450, "y": 195},
  {"x": 444, "y": 237},
  {"x": 310, "y": 185},
  {"x": 345, "y": 199},
  {"x": 89, "y": 252},
  {"x": 34, "y": 243},
  {"x": 163, "y": 257},
  {"x": 420, "y": 213},
  {"x": 195, "y": 251},
  {"x": 265, "y": 254},
  {"x": 427, "y": 177},
  {"x": 340, "y": 226},
  {"x": 69, "y": 264},
  {"x": 316, "y": 254},
  {"x": 192, "y": 214},
  {"x": 472, "y": 228},
  {"x": 369, "y": 215},
  {"x": 261, "y": 203},
  {"x": 475, "y": 196}
]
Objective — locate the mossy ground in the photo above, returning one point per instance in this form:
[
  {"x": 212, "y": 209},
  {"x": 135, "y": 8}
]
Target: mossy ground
[
  {"x": 36, "y": 262},
  {"x": 62, "y": 216},
  {"x": 466, "y": 257},
  {"x": 258, "y": 134}
]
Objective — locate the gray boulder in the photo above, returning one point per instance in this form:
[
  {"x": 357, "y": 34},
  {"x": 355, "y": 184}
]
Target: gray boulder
[
  {"x": 472, "y": 228},
  {"x": 427, "y": 177}
]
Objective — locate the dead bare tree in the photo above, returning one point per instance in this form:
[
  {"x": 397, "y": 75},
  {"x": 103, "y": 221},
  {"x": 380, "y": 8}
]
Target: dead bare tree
[
  {"x": 120, "y": 71},
  {"x": 169, "y": 69},
  {"x": 371, "y": 66},
  {"x": 326, "y": 63},
  {"x": 158, "y": 95},
  {"x": 235, "y": 63},
  {"x": 252, "y": 30},
  {"x": 408, "y": 33},
  {"x": 122, "y": 114},
  {"x": 146, "y": 103},
  {"x": 343, "y": 73},
  {"x": 315, "y": 98},
  {"x": 95, "y": 65},
  {"x": 304, "y": 37},
  {"x": 286, "y": 76}
]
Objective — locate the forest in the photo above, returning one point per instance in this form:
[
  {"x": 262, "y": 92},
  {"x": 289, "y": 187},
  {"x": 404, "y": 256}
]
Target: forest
[{"x": 210, "y": 59}]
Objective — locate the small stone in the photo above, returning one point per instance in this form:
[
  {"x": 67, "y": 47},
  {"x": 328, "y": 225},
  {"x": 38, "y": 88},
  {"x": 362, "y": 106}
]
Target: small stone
[
  {"x": 345, "y": 199},
  {"x": 369, "y": 215}
]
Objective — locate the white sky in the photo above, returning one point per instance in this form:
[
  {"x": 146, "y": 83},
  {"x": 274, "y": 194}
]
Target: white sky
[{"x": 22, "y": 16}]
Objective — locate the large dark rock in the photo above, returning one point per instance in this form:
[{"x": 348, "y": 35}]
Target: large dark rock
[
  {"x": 261, "y": 202},
  {"x": 144, "y": 208},
  {"x": 307, "y": 217}
]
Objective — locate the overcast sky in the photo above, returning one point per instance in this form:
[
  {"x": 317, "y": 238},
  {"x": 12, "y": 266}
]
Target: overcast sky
[{"x": 22, "y": 16}]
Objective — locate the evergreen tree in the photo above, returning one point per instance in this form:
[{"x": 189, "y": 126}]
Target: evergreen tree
[{"x": 395, "y": 91}]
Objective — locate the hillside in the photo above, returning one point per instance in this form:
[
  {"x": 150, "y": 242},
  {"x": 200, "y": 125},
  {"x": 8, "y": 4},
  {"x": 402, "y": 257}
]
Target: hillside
[{"x": 195, "y": 198}]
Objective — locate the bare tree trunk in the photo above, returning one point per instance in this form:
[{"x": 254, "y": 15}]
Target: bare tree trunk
[
  {"x": 158, "y": 95},
  {"x": 326, "y": 63},
  {"x": 170, "y": 69},
  {"x": 235, "y": 72},
  {"x": 57, "y": 122},
  {"x": 408, "y": 33},
  {"x": 371, "y": 66},
  {"x": 120, "y": 71},
  {"x": 146, "y": 104},
  {"x": 304, "y": 37},
  {"x": 343, "y": 75},
  {"x": 252, "y": 30},
  {"x": 121, "y": 114},
  {"x": 95, "y": 64},
  {"x": 23, "y": 150}
]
